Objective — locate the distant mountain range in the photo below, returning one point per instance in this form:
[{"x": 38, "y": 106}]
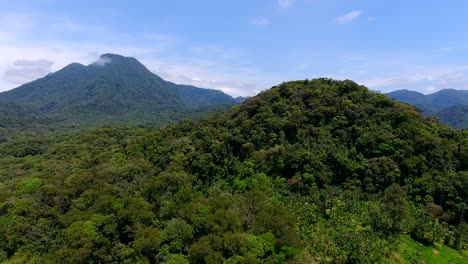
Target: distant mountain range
[
  {"x": 118, "y": 90},
  {"x": 450, "y": 105},
  {"x": 113, "y": 90}
]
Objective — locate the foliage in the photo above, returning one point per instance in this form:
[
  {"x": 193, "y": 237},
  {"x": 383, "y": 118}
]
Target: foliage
[
  {"x": 411, "y": 251},
  {"x": 455, "y": 116},
  {"x": 318, "y": 171}
]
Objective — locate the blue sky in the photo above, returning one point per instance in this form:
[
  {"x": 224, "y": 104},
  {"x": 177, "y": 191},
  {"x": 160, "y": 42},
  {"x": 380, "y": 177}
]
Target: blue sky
[{"x": 243, "y": 47}]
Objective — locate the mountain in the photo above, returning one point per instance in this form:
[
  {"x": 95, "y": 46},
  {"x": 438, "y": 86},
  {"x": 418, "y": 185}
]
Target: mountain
[
  {"x": 447, "y": 104},
  {"x": 113, "y": 90},
  {"x": 310, "y": 171},
  {"x": 198, "y": 97},
  {"x": 434, "y": 102},
  {"x": 408, "y": 96},
  {"x": 455, "y": 116},
  {"x": 447, "y": 98},
  {"x": 413, "y": 98},
  {"x": 241, "y": 99}
]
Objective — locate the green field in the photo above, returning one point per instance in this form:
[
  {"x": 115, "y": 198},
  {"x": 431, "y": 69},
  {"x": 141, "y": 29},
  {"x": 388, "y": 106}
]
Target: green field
[{"x": 412, "y": 251}]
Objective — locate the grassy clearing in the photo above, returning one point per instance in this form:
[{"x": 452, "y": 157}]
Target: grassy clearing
[{"x": 412, "y": 251}]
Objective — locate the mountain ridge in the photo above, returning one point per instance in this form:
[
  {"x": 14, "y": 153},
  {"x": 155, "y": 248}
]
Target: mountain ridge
[
  {"x": 113, "y": 89},
  {"x": 447, "y": 104}
]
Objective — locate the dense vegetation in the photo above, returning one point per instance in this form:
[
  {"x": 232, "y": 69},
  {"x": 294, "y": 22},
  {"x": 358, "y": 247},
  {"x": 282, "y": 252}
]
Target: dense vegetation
[
  {"x": 455, "y": 116},
  {"x": 115, "y": 90},
  {"x": 450, "y": 105},
  {"x": 318, "y": 171}
]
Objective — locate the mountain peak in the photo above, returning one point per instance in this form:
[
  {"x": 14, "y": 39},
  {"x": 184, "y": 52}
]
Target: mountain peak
[
  {"x": 112, "y": 55},
  {"x": 73, "y": 67},
  {"x": 110, "y": 58},
  {"x": 113, "y": 86},
  {"x": 406, "y": 91},
  {"x": 102, "y": 61},
  {"x": 449, "y": 91}
]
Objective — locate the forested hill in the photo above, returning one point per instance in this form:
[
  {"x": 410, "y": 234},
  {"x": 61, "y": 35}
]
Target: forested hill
[
  {"x": 432, "y": 102},
  {"x": 455, "y": 116},
  {"x": 113, "y": 90},
  {"x": 449, "y": 105},
  {"x": 319, "y": 171}
]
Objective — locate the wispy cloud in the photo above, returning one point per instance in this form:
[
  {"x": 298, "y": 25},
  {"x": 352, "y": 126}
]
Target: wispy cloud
[
  {"x": 26, "y": 70},
  {"x": 348, "y": 17},
  {"x": 102, "y": 61},
  {"x": 205, "y": 65},
  {"x": 384, "y": 71},
  {"x": 239, "y": 67},
  {"x": 285, "y": 4},
  {"x": 427, "y": 79},
  {"x": 260, "y": 21},
  {"x": 214, "y": 71}
]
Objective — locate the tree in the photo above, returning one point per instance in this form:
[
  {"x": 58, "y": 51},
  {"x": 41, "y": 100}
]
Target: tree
[{"x": 392, "y": 215}]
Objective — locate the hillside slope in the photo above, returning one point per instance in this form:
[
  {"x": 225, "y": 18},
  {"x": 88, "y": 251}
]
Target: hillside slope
[
  {"x": 455, "y": 116},
  {"x": 434, "y": 102},
  {"x": 113, "y": 90},
  {"x": 447, "y": 104},
  {"x": 306, "y": 172},
  {"x": 198, "y": 97}
]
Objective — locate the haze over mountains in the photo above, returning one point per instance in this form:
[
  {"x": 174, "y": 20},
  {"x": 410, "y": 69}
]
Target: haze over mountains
[
  {"x": 450, "y": 105},
  {"x": 115, "y": 90}
]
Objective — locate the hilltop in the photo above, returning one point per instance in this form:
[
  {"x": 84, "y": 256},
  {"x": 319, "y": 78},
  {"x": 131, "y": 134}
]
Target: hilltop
[
  {"x": 113, "y": 90},
  {"x": 306, "y": 172}
]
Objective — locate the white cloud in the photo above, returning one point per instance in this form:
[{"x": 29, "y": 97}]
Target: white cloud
[
  {"x": 260, "y": 21},
  {"x": 102, "y": 61},
  {"x": 245, "y": 81},
  {"x": 27, "y": 64},
  {"x": 348, "y": 17},
  {"x": 285, "y": 4},
  {"x": 205, "y": 65},
  {"x": 384, "y": 71},
  {"x": 24, "y": 71},
  {"x": 423, "y": 79}
]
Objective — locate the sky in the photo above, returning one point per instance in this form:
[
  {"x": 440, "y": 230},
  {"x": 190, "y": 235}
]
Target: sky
[{"x": 243, "y": 47}]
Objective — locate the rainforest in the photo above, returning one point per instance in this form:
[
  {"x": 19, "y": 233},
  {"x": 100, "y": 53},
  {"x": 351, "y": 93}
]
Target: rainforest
[{"x": 309, "y": 171}]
